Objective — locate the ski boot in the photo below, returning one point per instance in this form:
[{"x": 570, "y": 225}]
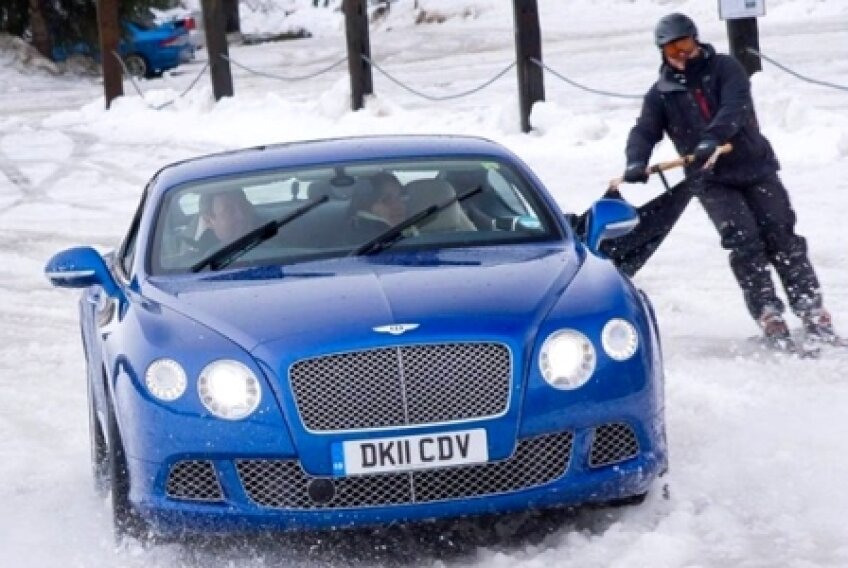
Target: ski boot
[
  {"x": 776, "y": 331},
  {"x": 818, "y": 328},
  {"x": 777, "y": 336}
]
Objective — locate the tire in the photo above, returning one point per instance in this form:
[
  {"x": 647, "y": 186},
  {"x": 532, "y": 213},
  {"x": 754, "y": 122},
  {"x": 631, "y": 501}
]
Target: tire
[
  {"x": 125, "y": 521},
  {"x": 99, "y": 448},
  {"x": 137, "y": 65}
]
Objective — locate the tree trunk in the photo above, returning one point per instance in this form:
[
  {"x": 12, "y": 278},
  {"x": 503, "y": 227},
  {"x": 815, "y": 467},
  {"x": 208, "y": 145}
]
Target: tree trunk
[{"x": 40, "y": 34}]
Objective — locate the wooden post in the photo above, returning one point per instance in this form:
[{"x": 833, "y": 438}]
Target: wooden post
[
  {"x": 742, "y": 34},
  {"x": 231, "y": 16},
  {"x": 528, "y": 45},
  {"x": 358, "y": 44},
  {"x": 110, "y": 34},
  {"x": 38, "y": 26},
  {"x": 216, "y": 48}
]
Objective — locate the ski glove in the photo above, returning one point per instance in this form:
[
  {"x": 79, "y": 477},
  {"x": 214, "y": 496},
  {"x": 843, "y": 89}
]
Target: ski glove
[
  {"x": 704, "y": 151},
  {"x": 636, "y": 172}
]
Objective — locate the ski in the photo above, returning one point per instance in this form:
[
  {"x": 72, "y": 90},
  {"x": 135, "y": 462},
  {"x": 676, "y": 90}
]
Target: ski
[
  {"x": 801, "y": 345},
  {"x": 789, "y": 347},
  {"x": 828, "y": 340},
  {"x": 802, "y": 350}
]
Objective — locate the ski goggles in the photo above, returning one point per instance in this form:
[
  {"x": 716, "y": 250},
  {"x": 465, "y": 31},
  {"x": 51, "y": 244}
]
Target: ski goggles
[{"x": 682, "y": 46}]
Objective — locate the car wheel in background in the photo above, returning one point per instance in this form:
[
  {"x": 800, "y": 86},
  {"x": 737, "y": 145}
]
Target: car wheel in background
[
  {"x": 136, "y": 65},
  {"x": 99, "y": 448},
  {"x": 126, "y": 521}
]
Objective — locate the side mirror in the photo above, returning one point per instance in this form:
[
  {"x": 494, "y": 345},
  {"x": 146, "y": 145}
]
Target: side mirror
[
  {"x": 608, "y": 219},
  {"x": 80, "y": 267}
]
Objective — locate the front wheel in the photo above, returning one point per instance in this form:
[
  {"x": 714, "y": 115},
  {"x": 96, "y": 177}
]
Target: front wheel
[
  {"x": 126, "y": 521},
  {"x": 99, "y": 448},
  {"x": 136, "y": 65}
]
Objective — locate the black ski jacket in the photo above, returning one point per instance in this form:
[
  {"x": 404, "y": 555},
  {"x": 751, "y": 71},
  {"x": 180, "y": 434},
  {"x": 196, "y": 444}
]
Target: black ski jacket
[{"x": 711, "y": 99}]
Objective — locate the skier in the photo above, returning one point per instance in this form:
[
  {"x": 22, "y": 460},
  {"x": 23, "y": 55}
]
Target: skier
[{"x": 702, "y": 100}]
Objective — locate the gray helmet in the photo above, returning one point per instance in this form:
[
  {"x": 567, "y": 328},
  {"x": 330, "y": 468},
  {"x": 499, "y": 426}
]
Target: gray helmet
[{"x": 672, "y": 27}]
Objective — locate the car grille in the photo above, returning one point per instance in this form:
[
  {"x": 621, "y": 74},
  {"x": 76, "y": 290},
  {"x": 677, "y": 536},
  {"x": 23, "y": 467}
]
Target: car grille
[
  {"x": 613, "y": 443},
  {"x": 283, "y": 484},
  {"x": 194, "y": 480},
  {"x": 398, "y": 386}
]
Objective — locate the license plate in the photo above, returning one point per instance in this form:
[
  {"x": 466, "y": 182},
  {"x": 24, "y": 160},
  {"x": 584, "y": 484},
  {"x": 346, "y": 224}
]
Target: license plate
[{"x": 404, "y": 453}]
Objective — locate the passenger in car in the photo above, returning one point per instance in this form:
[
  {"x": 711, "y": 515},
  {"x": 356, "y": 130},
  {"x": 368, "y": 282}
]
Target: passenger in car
[
  {"x": 483, "y": 209},
  {"x": 227, "y": 216},
  {"x": 376, "y": 205},
  {"x": 426, "y": 192}
]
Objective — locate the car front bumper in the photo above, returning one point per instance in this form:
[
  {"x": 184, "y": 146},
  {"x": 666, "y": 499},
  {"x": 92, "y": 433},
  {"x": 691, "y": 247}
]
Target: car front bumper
[{"x": 238, "y": 504}]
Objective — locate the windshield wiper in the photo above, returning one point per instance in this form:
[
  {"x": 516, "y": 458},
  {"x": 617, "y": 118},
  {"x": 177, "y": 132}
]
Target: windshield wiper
[
  {"x": 247, "y": 242},
  {"x": 393, "y": 234}
]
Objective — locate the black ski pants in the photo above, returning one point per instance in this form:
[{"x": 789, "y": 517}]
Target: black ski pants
[{"x": 756, "y": 224}]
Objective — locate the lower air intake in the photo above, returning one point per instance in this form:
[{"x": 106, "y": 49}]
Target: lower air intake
[
  {"x": 194, "y": 480},
  {"x": 613, "y": 443},
  {"x": 283, "y": 484}
]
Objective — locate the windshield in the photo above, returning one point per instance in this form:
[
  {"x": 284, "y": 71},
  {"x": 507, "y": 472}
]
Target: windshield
[{"x": 359, "y": 203}]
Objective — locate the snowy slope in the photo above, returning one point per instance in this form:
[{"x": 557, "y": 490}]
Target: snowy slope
[{"x": 758, "y": 447}]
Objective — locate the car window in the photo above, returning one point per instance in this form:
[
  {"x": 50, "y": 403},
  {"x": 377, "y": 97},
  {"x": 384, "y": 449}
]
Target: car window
[
  {"x": 355, "y": 203},
  {"x": 126, "y": 252},
  {"x": 509, "y": 193},
  {"x": 145, "y": 21}
]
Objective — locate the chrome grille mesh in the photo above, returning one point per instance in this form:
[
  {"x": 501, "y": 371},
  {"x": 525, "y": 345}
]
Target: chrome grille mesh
[
  {"x": 455, "y": 381},
  {"x": 283, "y": 484},
  {"x": 349, "y": 391},
  {"x": 195, "y": 480},
  {"x": 536, "y": 461},
  {"x": 613, "y": 443},
  {"x": 400, "y": 386}
]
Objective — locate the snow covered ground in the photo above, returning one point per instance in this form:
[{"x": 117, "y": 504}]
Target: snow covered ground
[{"x": 759, "y": 455}]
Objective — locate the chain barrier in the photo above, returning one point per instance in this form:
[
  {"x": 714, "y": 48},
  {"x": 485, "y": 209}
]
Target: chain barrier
[
  {"x": 141, "y": 94},
  {"x": 280, "y": 77},
  {"x": 795, "y": 74},
  {"x": 194, "y": 82},
  {"x": 583, "y": 87},
  {"x": 432, "y": 97}
]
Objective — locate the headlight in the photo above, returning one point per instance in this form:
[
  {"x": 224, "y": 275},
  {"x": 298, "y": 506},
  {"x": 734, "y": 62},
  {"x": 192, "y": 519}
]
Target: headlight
[
  {"x": 165, "y": 379},
  {"x": 228, "y": 389},
  {"x": 619, "y": 339},
  {"x": 567, "y": 359}
]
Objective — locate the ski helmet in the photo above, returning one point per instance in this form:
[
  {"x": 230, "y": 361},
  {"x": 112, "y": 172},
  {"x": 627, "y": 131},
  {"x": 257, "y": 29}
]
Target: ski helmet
[{"x": 674, "y": 26}]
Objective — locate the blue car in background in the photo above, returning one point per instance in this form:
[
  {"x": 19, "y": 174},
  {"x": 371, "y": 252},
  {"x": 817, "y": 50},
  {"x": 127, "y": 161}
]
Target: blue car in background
[
  {"x": 147, "y": 47},
  {"x": 151, "y": 48},
  {"x": 324, "y": 367}
]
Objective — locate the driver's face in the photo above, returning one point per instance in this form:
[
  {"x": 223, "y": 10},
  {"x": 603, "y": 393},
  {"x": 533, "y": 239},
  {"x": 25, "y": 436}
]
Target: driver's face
[
  {"x": 390, "y": 206},
  {"x": 230, "y": 217}
]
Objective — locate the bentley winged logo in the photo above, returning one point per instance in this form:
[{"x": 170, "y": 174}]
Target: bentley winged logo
[{"x": 396, "y": 328}]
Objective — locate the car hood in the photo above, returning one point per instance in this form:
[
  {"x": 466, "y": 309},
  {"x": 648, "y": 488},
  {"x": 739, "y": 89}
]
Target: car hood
[
  {"x": 284, "y": 315},
  {"x": 334, "y": 305}
]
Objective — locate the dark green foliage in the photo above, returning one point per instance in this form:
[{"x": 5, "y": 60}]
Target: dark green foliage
[
  {"x": 69, "y": 21},
  {"x": 14, "y": 16}
]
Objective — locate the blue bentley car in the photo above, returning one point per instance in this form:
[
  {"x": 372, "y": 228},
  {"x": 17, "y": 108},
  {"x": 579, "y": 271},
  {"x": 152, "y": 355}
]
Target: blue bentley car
[{"x": 362, "y": 331}]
